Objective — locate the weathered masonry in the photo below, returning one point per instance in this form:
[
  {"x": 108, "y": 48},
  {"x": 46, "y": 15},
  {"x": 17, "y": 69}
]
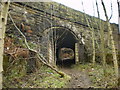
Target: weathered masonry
[{"x": 52, "y": 26}]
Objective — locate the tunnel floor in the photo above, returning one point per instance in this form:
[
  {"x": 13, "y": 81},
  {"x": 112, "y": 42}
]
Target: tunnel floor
[{"x": 65, "y": 63}]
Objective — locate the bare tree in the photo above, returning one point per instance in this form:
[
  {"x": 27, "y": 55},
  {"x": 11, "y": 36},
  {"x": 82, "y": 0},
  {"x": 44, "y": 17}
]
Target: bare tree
[
  {"x": 93, "y": 34},
  {"x": 103, "y": 56},
  {"x": 38, "y": 55},
  {"x": 112, "y": 41},
  {"x": 118, "y": 1},
  {"x": 3, "y": 22}
]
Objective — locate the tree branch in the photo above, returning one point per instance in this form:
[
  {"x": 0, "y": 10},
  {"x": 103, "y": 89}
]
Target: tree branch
[
  {"x": 19, "y": 31},
  {"x": 39, "y": 56},
  {"x": 111, "y": 12},
  {"x": 114, "y": 54},
  {"x": 93, "y": 34}
]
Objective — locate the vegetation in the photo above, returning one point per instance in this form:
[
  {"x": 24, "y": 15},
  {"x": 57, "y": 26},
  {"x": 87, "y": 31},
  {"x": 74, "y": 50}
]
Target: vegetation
[
  {"x": 20, "y": 72},
  {"x": 44, "y": 77},
  {"x": 25, "y": 67},
  {"x": 110, "y": 31},
  {"x": 92, "y": 34},
  {"x": 97, "y": 76},
  {"x": 3, "y": 22}
]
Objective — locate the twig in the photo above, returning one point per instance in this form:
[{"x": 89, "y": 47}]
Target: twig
[
  {"x": 111, "y": 11},
  {"x": 92, "y": 32},
  {"x": 39, "y": 56},
  {"x": 61, "y": 73},
  {"x": 110, "y": 31},
  {"x": 19, "y": 31},
  {"x": 26, "y": 43}
]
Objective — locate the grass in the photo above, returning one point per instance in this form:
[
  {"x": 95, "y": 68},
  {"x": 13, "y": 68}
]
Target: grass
[
  {"x": 16, "y": 75},
  {"x": 97, "y": 76},
  {"x": 42, "y": 78}
]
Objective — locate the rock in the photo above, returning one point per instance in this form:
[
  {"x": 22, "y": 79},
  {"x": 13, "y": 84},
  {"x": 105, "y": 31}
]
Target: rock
[
  {"x": 78, "y": 86},
  {"x": 76, "y": 78}
]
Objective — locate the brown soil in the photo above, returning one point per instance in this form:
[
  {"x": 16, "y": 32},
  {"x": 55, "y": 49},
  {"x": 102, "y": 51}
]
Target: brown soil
[{"x": 79, "y": 79}]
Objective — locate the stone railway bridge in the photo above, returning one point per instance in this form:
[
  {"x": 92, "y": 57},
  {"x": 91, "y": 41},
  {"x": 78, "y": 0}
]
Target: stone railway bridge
[{"x": 53, "y": 26}]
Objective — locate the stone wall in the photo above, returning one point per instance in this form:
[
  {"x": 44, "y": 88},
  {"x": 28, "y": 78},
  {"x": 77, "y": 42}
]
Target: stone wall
[{"x": 34, "y": 19}]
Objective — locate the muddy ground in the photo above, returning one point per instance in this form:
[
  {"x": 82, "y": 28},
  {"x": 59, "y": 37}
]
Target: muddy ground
[{"x": 79, "y": 78}]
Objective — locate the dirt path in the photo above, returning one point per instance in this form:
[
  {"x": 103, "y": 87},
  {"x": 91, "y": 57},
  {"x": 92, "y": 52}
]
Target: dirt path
[{"x": 79, "y": 79}]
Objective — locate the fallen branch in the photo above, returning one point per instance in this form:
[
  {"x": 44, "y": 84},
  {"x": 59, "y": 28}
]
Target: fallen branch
[
  {"x": 39, "y": 56},
  {"x": 59, "y": 72}
]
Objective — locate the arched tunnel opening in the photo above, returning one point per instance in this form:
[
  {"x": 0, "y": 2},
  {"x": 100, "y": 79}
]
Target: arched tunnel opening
[{"x": 65, "y": 48}]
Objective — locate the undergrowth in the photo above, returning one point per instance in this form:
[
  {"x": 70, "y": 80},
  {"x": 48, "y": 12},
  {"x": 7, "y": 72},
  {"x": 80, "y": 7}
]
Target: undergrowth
[
  {"x": 44, "y": 77},
  {"x": 98, "y": 78},
  {"x": 28, "y": 73}
]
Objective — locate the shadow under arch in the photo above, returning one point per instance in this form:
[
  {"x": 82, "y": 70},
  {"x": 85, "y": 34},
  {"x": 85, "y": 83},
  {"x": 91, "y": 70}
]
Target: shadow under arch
[
  {"x": 63, "y": 38},
  {"x": 62, "y": 28}
]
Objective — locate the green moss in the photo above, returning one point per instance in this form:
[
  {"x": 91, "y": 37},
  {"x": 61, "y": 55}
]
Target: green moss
[
  {"x": 97, "y": 76},
  {"x": 32, "y": 45},
  {"x": 43, "y": 78}
]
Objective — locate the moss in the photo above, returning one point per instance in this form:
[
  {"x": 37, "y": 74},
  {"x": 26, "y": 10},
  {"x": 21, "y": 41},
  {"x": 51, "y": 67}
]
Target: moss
[
  {"x": 42, "y": 78},
  {"x": 32, "y": 45},
  {"x": 5, "y": 62},
  {"x": 97, "y": 76}
]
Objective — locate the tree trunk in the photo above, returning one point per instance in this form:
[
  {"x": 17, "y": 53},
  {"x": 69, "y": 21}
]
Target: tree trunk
[
  {"x": 103, "y": 56},
  {"x": 118, "y": 15},
  {"x": 93, "y": 40},
  {"x": 3, "y": 22},
  {"x": 93, "y": 36},
  {"x": 112, "y": 42}
]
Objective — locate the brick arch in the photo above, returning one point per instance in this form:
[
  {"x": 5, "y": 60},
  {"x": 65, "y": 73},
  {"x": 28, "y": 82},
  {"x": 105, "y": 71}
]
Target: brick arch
[
  {"x": 70, "y": 40},
  {"x": 64, "y": 28}
]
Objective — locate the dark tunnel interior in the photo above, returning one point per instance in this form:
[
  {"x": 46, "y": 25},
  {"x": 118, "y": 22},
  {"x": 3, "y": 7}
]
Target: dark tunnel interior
[{"x": 65, "y": 40}]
